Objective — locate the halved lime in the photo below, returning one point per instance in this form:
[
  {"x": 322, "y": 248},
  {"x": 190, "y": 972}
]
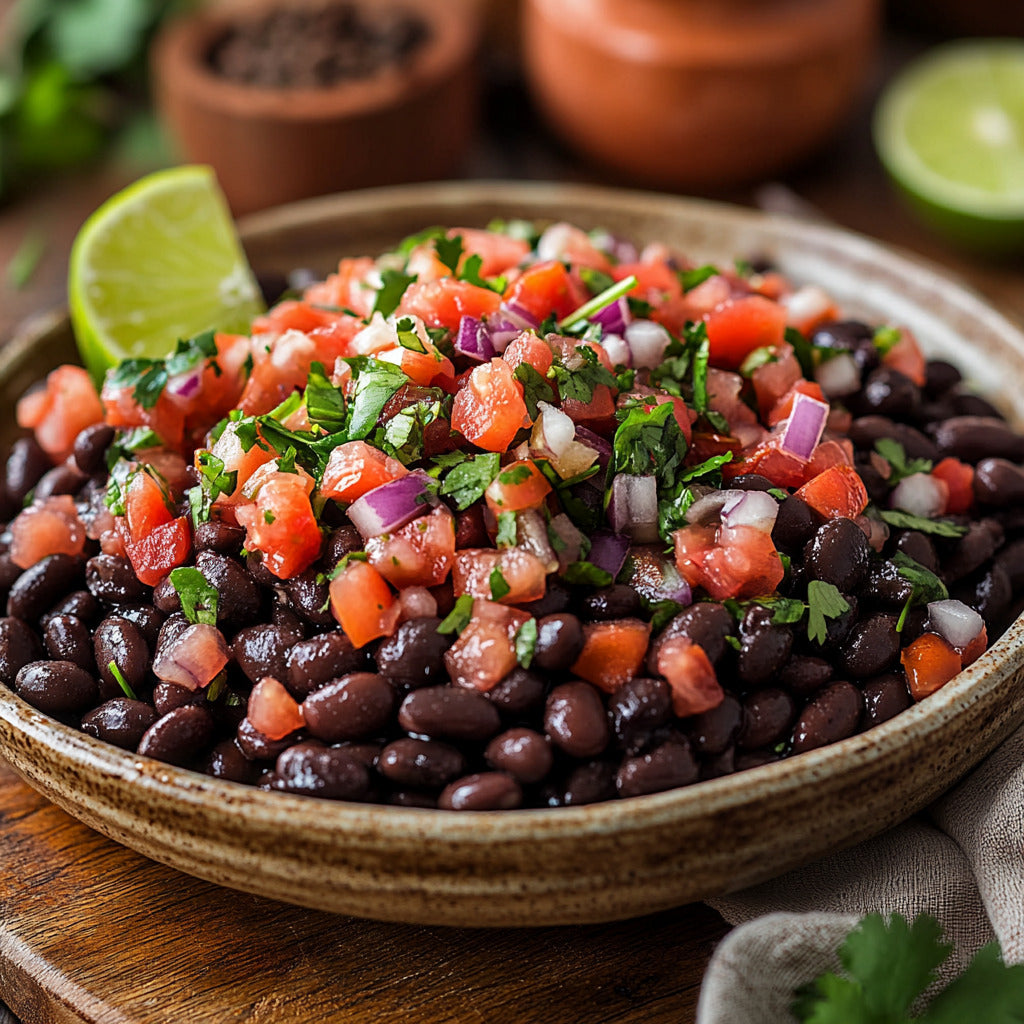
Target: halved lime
[
  {"x": 156, "y": 262},
  {"x": 950, "y": 131}
]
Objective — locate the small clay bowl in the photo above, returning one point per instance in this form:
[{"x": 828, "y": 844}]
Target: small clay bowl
[{"x": 407, "y": 122}]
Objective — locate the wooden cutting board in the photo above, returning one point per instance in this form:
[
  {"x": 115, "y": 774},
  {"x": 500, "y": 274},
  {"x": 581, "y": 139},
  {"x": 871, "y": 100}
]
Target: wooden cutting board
[{"x": 90, "y": 931}]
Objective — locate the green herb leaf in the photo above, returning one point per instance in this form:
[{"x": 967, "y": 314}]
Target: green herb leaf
[
  {"x": 823, "y": 602},
  {"x": 392, "y": 288},
  {"x": 499, "y": 585},
  {"x": 700, "y": 369},
  {"x": 586, "y": 574},
  {"x": 907, "y": 521},
  {"x": 803, "y": 350},
  {"x": 893, "y": 453},
  {"x": 466, "y": 482},
  {"x": 927, "y": 586},
  {"x": 458, "y": 618},
  {"x": 885, "y": 338},
  {"x": 407, "y": 336},
  {"x": 449, "y": 251},
  {"x": 649, "y": 441},
  {"x": 536, "y": 389},
  {"x": 119, "y": 678},
  {"x": 506, "y": 536},
  {"x": 596, "y": 281},
  {"x": 325, "y": 404},
  {"x": 785, "y": 610},
  {"x": 198, "y": 597},
  {"x": 376, "y": 384},
  {"x": 689, "y": 279},
  {"x": 526, "y": 642},
  {"x": 344, "y": 562},
  {"x": 579, "y": 384},
  {"x": 988, "y": 990},
  {"x": 213, "y": 482}
]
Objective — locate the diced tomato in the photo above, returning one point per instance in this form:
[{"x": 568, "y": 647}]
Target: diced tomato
[
  {"x": 354, "y": 468},
  {"x": 906, "y": 357},
  {"x": 737, "y": 562},
  {"x": 164, "y": 548},
  {"x": 237, "y": 459},
  {"x": 929, "y": 662},
  {"x": 656, "y": 281},
  {"x": 428, "y": 368},
  {"x": 280, "y": 524},
  {"x": 443, "y": 303},
  {"x": 838, "y": 492},
  {"x": 489, "y": 410},
  {"x": 146, "y": 505},
  {"x": 293, "y": 315},
  {"x": 782, "y": 468},
  {"x": 485, "y": 651},
  {"x": 959, "y": 479},
  {"x": 774, "y": 380},
  {"x": 498, "y": 251},
  {"x": 46, "y": 527},
  {"x": 278, "y": 369},
  {"x": 420, "y": 554},
  {"x": 691, "y": 676},
  {"x": 613, "y": 652},
  {"x": 349, "y": 288},
  {"x": 272, "y": 710},
  {"x": 222, "y": 381},
  {"x": 827, "y": 454},
  {"x": 334, "y": 340},
  {"x": 487, "y": 572},
  {"x": 545, "y": 289},
  {"x": 529, "y": 348},
  {"x": 570, "y": 244},
  {"x": 598, "y": 414},
  {"x": 164, "y": 418},
  {"x": 519, "y": 485},
  {"x": 975, "y": 649},
  {"x": 363, "y": 603},
  {"x": 740, "y": 325},
  {"x": 62, "y": 410},
  {"x": 724, "y": 389}
]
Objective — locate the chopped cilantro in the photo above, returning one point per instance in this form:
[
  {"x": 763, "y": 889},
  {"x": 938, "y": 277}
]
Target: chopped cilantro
[
  {"x": 927, "y": 586},
  {"x": 325, "y": 404},
  {"x": 596, "y": 281},
  {"x": 579, "y": 384},
  {"x": 402, "y": 435},
  {"x": 198, "y": 597},
  {"x": 407, "y": 336},
  {"x": 586, "y": 574},
  {"x": 344, "y": 562},
  {"x": 516, "y": 474},
  {"x": 893, "y": 453},
  {"x": 470, "y": 273},
  {"x": 506, "y": 537},
  {"x": 661, "y": 612},
  {"x": 649, "y": 441},
  {"x": 499, "y": 585},
  {"x": 406, "y": 246},
  {"x": 526, "y": 642},
  {"x": 449, "y": 251},
  {"x": 802, "y": 349},
  {"x": 756, "y": 359},
  {"x": 885, "y": 338},
  {"x": 536, "y": 389},
  {"x": 392, "y": 288},
  {"x": 119, "y": 678},
  {"x": 689, "y": 279},
  {"x": 376, "y": 384},
  {"x": 907, "y": 521},
  {"x": 458, "y": 618},
  {"x": 700, "y": 370},
  {"x": 466, "y": 482},
  {"x": 268, "y": 516},
  {"x": 785, "y": 610},
  {"x": 823, "y": 602},
  {"x": 778, "y": 493},
  {"x": 708, "y": 468}
]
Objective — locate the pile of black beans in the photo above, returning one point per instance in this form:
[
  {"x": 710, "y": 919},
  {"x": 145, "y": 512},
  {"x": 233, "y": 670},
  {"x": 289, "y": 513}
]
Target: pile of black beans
[{"x": 383, "y": 724}]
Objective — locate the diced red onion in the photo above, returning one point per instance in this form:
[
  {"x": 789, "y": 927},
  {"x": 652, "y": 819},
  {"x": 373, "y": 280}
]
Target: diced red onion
[
  {"x": 838, "y": 376},
  {"x": 600, "y": 444},
  {"x": 921, "y": 495},
  {"x": 614, "y": 317},
  {"x": 194, "y": 657},
  {"x": 633, "y": 507},
  {"x": 804, "y": 427},
  {"x": 185, "y": 385},
  {"x": 389, "y": 507},
  {"x": 608, "y": 551},
  {"x": 955, "y": 621},
  {"x": 532, "y": 536},
  {"x": 517, "y": 316},
  {"x": 750, "y": 508},
  {"x": 655, "y": 577},
  {"x": 553, "y": 432},
  {"x": 618, "y": 351},
  {"x": 708, "y": 509},
  {"x": 474, "y": 340},
  {"x": 647, "y": 341},
  {"x": 572, "y": 540}
]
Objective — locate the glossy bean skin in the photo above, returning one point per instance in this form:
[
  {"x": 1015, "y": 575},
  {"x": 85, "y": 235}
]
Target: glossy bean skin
[
  {"x": 309, "y": 597},
  {"x": 764, "y": 647},
  {"x": 119, "y": 641},
  {"x": 767, "y": 717},
  {"x": 257, "y": 747},
  {"x": 414, "y": 655},
  {"x": 144, "y": 617},
  {"x": 866, "y": 430},
  {"x": 449, "y": 713},
  {"x": 519, "y": 694},
  {"x": 804, "y": 675},
  {"x": 587, "y": 783},
  {"x": 111, "y": 579},
  {"x": 56, "y": 687},
  {"x": 40, "y": 587},
  {"x": 316, "y": 661},
  {"x": 887, "y": 392},
  {"x": 559, "y": 642},
  {"x": 713, "y": 732},
  {"x": 795, "y": 524},
  {"x": 67, "y": 638},
  {"x": 707, "y": 624},
  {"x": 832, "y": 715},
  {"x": 226, "y": 761},
  {"x": 261, "y": 650},
  {"x": 90, "y": 447},
  {"x": 218, "y": 536},
  {"x": 884, "y": 697},
  {"x": 353, "y": 707},
  {"x": 574, "y": 718},
  {"x": 617, "y": 601},
  {"x": 179, "y": 736},
  {"x": 421, "y": 764},
  {"x": 19, "y": 645},
  {"x": 871, "y": 648},
  {"x": 315, "y": 770},
  {"x": 637, "y": 709},
  {"x": 79, "y": 603},
  {"x": 666, "y": 767},
  {"x": 238, "y": 597},
  {"x": 26, "y": 463},
  {"x": 838, "y": 554},
  {"x": 522, "y": 753},
  {"x": 998, "y": 482},
  {"x": 484, "y": 791},
  {"x": 120, "y": 721},
  {"x": 981, "y": 541},
  {"x": 973, "y": 438},
  {"x": 63, "y": 479}
]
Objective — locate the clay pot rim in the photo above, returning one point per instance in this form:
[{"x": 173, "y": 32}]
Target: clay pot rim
[{"x": 181, "y": 46}]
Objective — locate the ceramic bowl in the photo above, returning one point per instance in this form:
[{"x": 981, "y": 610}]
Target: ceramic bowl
[
  {"x": 271, "y": 146},
  {"x": 578, "y": 864}
]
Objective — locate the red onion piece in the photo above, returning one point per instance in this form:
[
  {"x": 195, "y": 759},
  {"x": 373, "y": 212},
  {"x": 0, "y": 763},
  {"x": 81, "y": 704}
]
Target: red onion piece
[
  {"x": 655, "y": 577},
  {"x": 708, "y": 508},
  {"x": 608, "y": 551},
  {"x": 633, "y": 507},
  {"x": 389, "y": 507},
  {"x": 600, "y": 444},
  {"x": 474, "y": 340},
  {"x": 515, "y": 315},
  {"x": 750, "y": 508},
  {"x": 921, "y": 495},
  {"x": 194, "y": 658},
  {"x": 804, "y": 427},
  {"x": 185, "y": 385},
  {"x": 614, "y": 317},
  {"x": 955, "y": 622}
]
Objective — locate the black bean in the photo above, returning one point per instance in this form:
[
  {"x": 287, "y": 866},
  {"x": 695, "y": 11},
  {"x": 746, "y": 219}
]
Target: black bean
[
  {"x": 866, "y": 430},
  {"x": 168, "y": 696},
  {"x": 884, "y": 697},
  {"x": 795, "y": 524},
  {"x": 706, "y": 623},
  {"x": 90, "y": 447},
  {"x": 288, "y": 623},
  {"x": 887, "y": 392},
  {"x": 350, "y": 708},
  {"x": 575, "y": 719},
  {"x": 973, "y": 438},
  {"x": 422, "y": 764},
  {"x": 470, "y": 528},
  {"x": 226, "y": 761},
  {"x": 120, "y": 721},
  {"x": 414, "y": 654},
  {"x": 617, "y": 601},
  {"x": 764, "y": 648},
  {"x": 981, "y": 541},
  {"x": 119, "y": 641},
  {"x": 919, "y": 547},
  {"x": 559, "y": 642},
  {"x": 79, "y": 603},
  {"x": 449, "y": 713},
  {"x": 885, "y": 585},
  {"x": 112, "y": 579},
  {"x": 830, "y": 716},
  {"x": 587, "y": 783},
  {"x": 992, "y": 597},
  {"x": 257, "y": 747},
  {"x": 224, "y": 538},
  {"x": 67, "y": 638},
  {"x": 259, "y": 572},
  {"x": 238, "y": 596},
  {"x": 146, "y": 619},
  {"x": 848, "y": 335},
  {"x": 261, "y": 651},
  {"x": 717, "y": 765},
  {"x": 838, "y": 630},
  {"x": 767, "y": 716},
  {"x": 838, "y": 554},
  {"x": 871, "y": 648},
  {"x": 713, "y": 732},
  {"x": 366, "y": 753},
  {"x": 179, "y": 736},
  {"x": 940, "y": 377},
  {"x": 42, "y": 585},
  {"x": 26, "y": 463},
  {"x": 329, "y": 772},
  {"x": 518, "y": 694},
  {"x": 62, "y": 479},
  {"x": 522, "y": 753},
  {"x": 637, "y": 708},
  {"x": 964, "y": 403},
  {"x": 19, "y": 645},
  {"x": 557, "y": 598},
  {"x": 165, "y": 597},
  {"x": 411, "y": 798},
  {"x": 485, "y": 791},
  {"x": 309, "y": 597},
  {"x": 56, "y": 687},
  {"x": 751, "y": 482},
  {"x": 666, "y": 767},
  {"x": 9, "y": 572},
  {"x": 1011, "y": 560},
  {"x": 341, "y": 542},
  {"x": 998, "y": 482},
  {"x": 316, "y": 661},
  {"x": 805, "y": 675}
]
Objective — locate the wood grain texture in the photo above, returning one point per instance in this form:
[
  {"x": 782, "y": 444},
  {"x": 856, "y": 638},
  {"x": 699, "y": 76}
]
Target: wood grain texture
[{"x": 92, "y": 932}]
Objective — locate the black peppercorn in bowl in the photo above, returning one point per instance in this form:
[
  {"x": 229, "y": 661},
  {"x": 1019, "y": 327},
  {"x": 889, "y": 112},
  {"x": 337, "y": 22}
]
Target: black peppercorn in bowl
[{"x": 565, "y": 864}]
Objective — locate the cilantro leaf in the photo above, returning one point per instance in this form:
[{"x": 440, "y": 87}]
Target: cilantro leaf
[
  {"x": 988, "y": 990},
  {"x": 785, "y": 610},
  {"x": 458, "y": 618},
  {"x": 578, "y": 384},
  {"x": 466, "y": 482},
  {"x": 402, "y": 436},
  {"x": 410, "y": 242},
  {"x": 325, "y": 403},
  {"x": 893, "y": 453},
  {"x": 823, "y": 602},
  {"x": 499, "y": 585},
  {"x": 708, "y": 468},
  {"x": 198, "y": 597},
  {"x": 802, "y": 349},
  {"x": 392, "y": 288},
  {"x": 526, "y": 642},
  {"x": 146, "y": 377},
  {"x": 449, "y": 251},
  {"x": 407, "y": 336},
  {"x": 689, "y": 279},
  {"x": 907, "y": 521},
  {"x": 376, "y": 384},
  {"x": 536, "y": 389},
  {"x": 506, "y": 536},
  {"x": 927, "y": 586},
  {"x": 586, "y": 574},
  {"x": 701, "y": 355},
  {"x": 213, "y": 482},
  {"x": 649, "y": 441}
]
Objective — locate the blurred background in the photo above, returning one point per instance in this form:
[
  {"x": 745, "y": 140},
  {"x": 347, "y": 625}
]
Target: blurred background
[{"x": 766, "y": 103}]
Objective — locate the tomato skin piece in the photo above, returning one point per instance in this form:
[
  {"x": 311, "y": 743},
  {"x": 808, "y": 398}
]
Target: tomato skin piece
[
  {"x": 164, "y": 548},
  {"x": 145, "y": 505},
  {"x": 354, "y": 468},
  {"x": 428, "y": 369},
  {"x": 529, "y": 348},
  {"x": 656, "y": 282},
  {"x": 837, "y": 492},
  {"x": 728, "y": 562},
  {"x": 519, "y": 485},
  {"x": 959, "y": 479},
  {"x": 363, "y": 603},
  {"x": 499, "y": 252},
  {"x": 929, "y": 663},
  {"x": 740, "y": 325},
  {"x": 906, "y": 357},
  {"x": 485, "y": 650},
  {"x": 545, "y": 289},
  {"x": 489, "y": 409},
  {"x": 523, "y": 572},
  {"x": 420, "y": 554},
  {"x": 690, "y": 675},
  {"x": 443, "y": 303},
  {"x": 613, "y": 652},
  {"x": 346, "y": 289},
  {"x": 47, "y": 527},
  {"x": 67, "y": 406},
  {"x": 272, "y": 710},
  {"x": 280, "y": 524}
]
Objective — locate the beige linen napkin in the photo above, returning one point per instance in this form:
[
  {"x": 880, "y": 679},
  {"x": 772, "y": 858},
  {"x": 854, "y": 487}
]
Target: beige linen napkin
[{"x": 962, "y": 862}]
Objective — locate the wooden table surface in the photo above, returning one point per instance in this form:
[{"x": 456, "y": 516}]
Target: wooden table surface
[{"x": 92, "y": 932}]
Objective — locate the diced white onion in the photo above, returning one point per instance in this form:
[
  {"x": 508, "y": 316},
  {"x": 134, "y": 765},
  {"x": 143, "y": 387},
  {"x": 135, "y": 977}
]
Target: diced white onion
[
  {"x": 647, "y": 341},
  {"x": 838, "y": 376},
  {"x": 553, "y": 432},
  {"x": 633, "y": 507},
  {"x": 376, "y": 335},
  {"x": 955, "y": 621},
  {"x": 921, "y": 495},
  {"x": 750, "y": 508},
  {"x": 417, "y": 603},
  {"x": 806, "y": 305},
  {"x": 708, "y": 509},
  {"x": 618, "y": 351}
]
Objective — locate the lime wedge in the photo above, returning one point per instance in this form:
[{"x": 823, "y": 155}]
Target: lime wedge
[
  {"x": 156, "y": 262},
  {"x": 950, "y": 131}
]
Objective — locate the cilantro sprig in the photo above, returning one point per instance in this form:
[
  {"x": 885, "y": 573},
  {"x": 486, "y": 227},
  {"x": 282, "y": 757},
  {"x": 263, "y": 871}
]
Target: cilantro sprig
[
  {"x": 198, "y": 597},
  {"x": 900, "y": 466},
  {"x": 148, "y": 377}
]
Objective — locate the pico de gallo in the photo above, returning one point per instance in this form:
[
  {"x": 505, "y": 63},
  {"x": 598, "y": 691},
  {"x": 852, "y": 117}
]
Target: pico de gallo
[{"x": 516, "y": 516}]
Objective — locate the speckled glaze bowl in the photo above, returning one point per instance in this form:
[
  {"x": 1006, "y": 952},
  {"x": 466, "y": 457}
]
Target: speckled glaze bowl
[{"x": 570, "y": 865}]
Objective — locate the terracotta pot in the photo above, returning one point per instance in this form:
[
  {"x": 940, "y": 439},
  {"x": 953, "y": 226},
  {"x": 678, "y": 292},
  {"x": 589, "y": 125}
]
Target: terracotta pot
[
  {"x": 697, "y": 94},
  {"x": 270, "y": 146}
]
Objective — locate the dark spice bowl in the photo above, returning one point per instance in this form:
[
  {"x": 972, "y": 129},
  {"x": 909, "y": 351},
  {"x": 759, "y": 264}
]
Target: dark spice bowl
[{"x": 407, "y": 116}]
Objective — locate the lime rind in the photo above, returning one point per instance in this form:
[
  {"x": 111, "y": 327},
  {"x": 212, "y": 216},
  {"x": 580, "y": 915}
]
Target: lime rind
[
  {"x": 158, "y": 261},
  {"x": 926, "y": 119}
]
